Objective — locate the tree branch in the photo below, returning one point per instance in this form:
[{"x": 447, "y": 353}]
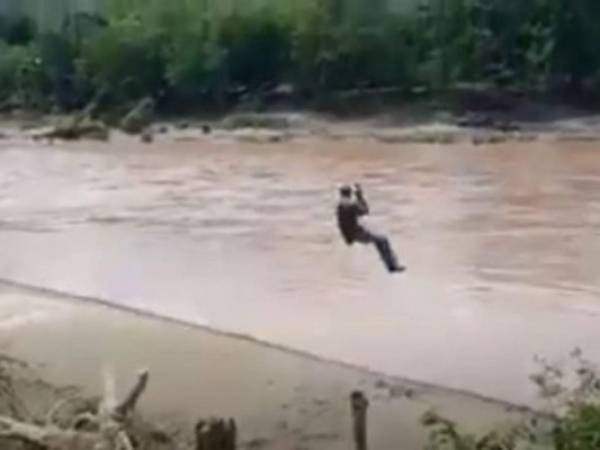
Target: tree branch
[{"x": 130, "y": 402}]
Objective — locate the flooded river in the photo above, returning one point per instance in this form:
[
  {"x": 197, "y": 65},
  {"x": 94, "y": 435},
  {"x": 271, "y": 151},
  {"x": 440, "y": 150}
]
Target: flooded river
[{"x": 502, "y": 245}]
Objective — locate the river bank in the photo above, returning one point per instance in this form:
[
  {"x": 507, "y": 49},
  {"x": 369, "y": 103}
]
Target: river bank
[
  {"x": 281, "y": 400},
  {"x": 418, "y": 123}
]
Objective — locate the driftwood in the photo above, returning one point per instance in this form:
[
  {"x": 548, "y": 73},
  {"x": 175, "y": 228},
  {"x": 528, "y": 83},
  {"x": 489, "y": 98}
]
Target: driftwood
[
  {"x": 105, "y": 429},
  {"x": 74, "y": 128},
  {"x": 80, "y": 125},
  {"x": 139, "y": 118},
  {"x": 109, "y": 424}
]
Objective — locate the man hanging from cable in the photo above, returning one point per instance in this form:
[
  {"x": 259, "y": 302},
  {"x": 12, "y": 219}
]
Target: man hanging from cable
[{"x": 352, "y": 205}]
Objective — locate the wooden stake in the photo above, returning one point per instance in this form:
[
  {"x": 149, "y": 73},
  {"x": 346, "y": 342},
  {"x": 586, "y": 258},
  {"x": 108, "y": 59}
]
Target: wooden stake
[
  {"x": 216, "y": 434},
  {"x": 359, "y": 405}
]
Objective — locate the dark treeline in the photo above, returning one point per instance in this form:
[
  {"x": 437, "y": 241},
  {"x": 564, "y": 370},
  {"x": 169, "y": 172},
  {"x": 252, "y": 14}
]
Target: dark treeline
[{"x": 188, "y": 59}]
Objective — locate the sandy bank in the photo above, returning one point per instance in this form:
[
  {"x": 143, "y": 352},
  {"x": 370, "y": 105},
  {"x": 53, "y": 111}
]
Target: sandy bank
[{"x": 281, "y": 400}]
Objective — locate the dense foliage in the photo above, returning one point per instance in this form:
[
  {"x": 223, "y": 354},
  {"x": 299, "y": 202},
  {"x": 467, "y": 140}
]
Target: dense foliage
[
  {"x": 195, "y": 54},
  {"x": 571, "y": 421}
]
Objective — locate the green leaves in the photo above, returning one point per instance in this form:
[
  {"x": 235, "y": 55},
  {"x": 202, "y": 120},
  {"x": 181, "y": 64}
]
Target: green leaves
[
  {"x": 572, "y": 423},
  {"x": 188, "y": 48},
  {"x": 21, "y": 74},
  {"x": 580, "y": 429},
  {"x": 125, "y": 57},
  {"x": 257, "y": 48}
]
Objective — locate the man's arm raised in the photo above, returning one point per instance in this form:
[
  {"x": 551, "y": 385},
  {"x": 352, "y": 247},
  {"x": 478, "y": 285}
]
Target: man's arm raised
[{"x": 363, "y": 206}]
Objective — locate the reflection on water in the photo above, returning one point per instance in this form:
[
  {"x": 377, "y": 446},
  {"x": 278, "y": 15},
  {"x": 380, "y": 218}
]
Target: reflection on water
[{"x": 501, "y": 244}]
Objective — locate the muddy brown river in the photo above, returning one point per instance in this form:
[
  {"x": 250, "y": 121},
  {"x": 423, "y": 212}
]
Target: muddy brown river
[{"x": 502, "y": 245}]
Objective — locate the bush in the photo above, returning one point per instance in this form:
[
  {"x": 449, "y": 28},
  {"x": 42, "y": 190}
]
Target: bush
[
  {"x": 125, "y": 59},
  {"x": 329, "y": 54},
  {"x": 12, "y": 59},
  {"x": 58, "y": 55},
  {"x": 19, "y": 31},
  {"x": 195, "y": 70},
  {"x": 370, "y": 57},
  {"x": 580, "y": 429},
  {"x": 257, "y": 48},
  {"x": 572, "y": 423},
  {"x": 314, "y": 49},
  {"x": 21, "y": 75}
]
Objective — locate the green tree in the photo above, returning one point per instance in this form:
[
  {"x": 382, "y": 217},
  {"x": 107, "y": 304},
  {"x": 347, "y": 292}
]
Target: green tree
[{"x": 126, "y": 58}]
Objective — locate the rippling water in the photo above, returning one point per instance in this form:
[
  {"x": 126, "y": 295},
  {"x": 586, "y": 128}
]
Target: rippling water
[{"x": 501, "y": 243}]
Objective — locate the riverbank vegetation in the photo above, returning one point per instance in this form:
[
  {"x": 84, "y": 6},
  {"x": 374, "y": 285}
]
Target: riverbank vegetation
[
  {"x": 190, "y": 59},
  {"x": 571, "y": 420}
]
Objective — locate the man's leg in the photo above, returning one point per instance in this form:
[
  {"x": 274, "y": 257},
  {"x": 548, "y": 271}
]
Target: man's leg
[
  {"x": 387, "y": 253},
  {"x": 383, "y": 247}
]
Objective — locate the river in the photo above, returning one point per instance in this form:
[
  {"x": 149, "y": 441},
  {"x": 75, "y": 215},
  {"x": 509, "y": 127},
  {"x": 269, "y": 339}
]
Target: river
[{"x": 501, "y": 242}]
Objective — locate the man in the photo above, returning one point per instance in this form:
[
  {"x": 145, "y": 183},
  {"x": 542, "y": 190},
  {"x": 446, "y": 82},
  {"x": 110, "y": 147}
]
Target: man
[{"x": 349, "y": 210}]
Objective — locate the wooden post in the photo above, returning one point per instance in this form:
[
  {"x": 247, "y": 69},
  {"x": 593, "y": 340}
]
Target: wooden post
[
  {"x": 217, "y": 434},
  {"x": 359, "y": 405}
]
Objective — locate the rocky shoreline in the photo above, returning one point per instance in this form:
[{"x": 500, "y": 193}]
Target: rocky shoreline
[{"x": 395, "y": 127}]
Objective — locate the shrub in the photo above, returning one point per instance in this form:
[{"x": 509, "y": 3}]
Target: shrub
[
  {"x": 125, "y": 58},
  {"x": 257, "y": 48},
  {"x": 195, "y": 70},
  {"x": 314, "y": 48},
  {"x": 20, "y": 31},
  {"x": 21, "y": 74},
  {"x": 579, "y": 429},
  {"x": 572, "y": 423},
  {"x": 57, "y": 59}
]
